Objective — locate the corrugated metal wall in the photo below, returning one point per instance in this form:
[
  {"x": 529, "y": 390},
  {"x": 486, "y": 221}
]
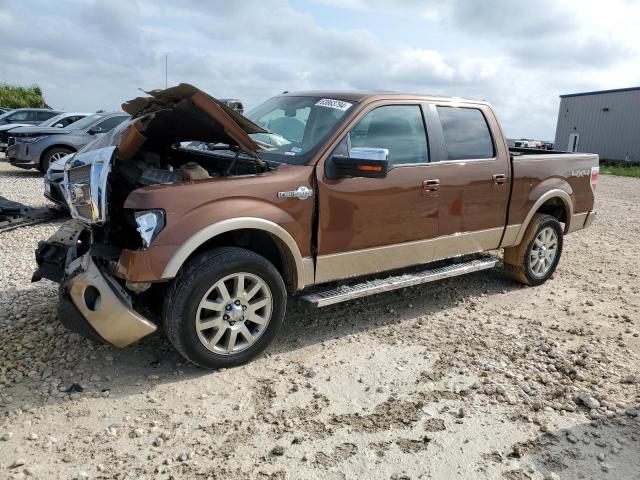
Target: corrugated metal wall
[{"x": 612, "y": 134}]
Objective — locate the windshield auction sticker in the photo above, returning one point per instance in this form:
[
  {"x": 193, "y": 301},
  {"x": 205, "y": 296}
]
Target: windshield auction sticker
[{"x": 331, "y": 103}]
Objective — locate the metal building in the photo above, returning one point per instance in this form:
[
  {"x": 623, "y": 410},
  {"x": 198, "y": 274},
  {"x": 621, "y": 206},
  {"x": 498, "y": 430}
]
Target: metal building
[{"x": 605, "y": 122}]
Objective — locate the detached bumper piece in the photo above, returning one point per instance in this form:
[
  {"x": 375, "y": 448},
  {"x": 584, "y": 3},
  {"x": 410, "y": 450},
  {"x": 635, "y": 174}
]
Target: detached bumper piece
[{"x": 102, "y": 303}]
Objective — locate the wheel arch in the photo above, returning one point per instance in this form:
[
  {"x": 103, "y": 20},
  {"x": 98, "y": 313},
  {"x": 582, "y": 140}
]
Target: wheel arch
[
  {"x": 261, "y": 236},
  {"x": 55, "y": 145},
  {"x": 556, "y": 203}
]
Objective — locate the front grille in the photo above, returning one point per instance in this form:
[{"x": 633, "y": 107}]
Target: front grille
[{"x": 80, "y": 174}]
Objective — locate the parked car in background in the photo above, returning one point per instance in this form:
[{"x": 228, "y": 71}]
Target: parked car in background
[
  {"x": 5, "y": 110},
  {"x": 53, "y": 181},
  {"x": 59, "y": 121},
  {"x": 27, "y": 116},
  {"x": 39, "y": 147}
]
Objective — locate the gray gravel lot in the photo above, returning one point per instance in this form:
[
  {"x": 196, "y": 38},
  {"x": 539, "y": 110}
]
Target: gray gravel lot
[{"x": 471, "y": 378}]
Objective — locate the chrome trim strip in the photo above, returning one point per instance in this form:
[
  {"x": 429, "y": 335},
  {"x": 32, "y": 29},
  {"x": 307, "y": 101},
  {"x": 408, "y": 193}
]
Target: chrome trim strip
[
  {"x": 112, "y": 318},
  {"x": 207, "y": 233},
  {"x": 355, "y": 263},
  {"x": 566, "y": 200}
]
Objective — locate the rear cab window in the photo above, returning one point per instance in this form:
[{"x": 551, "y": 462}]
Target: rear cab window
[{"x": 466, "y": 133}]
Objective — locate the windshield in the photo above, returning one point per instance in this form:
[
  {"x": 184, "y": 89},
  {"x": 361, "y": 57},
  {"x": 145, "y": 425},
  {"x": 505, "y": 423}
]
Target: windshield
[
  {"x": 85, "y": 122},
  {"x": 296, "y": 125}
]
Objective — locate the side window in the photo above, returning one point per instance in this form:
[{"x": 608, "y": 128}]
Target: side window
[
  {"x": 19, "y": 116},
  {"x": 109, "y": 123},
  {"x": 42, "y": 116},
  {"x": 399, "y": 128},
  {"x": 466, "y": 133}
]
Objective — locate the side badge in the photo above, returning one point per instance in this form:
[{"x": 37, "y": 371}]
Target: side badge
[{"x": 301, "y": 192}]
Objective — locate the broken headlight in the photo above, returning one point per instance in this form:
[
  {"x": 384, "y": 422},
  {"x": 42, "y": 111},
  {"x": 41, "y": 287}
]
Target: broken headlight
[{"x": 150, "y": 223}]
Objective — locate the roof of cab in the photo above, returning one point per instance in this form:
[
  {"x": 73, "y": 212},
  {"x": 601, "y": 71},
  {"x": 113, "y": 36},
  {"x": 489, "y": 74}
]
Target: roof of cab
[{"x": 360, "y": 95}]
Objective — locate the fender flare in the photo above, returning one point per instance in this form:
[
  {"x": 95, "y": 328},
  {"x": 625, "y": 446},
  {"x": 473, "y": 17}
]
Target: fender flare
[
  {"x": 303, "y": 266},
  {"x": 555, "y": 193}
]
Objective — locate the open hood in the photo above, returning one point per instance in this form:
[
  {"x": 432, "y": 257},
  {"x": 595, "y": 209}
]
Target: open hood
[{"x": 178, "y": 114}]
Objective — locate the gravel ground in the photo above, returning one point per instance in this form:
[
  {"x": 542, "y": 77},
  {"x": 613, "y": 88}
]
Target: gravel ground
[{"x": 472, "y": 378}]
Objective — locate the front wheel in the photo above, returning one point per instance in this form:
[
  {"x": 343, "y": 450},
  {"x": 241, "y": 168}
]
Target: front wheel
[
  {"x": 51, "y": 156},
  {"x": 225, "y": 307},
  {"x": 536, "y": 258}
]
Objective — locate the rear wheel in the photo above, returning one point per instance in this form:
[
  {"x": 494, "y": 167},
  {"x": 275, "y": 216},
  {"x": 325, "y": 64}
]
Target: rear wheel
[
  {"x": 536, "y": 258},
  {"x": 225, "y": 307},
  {"x": 51, "y": 156}
]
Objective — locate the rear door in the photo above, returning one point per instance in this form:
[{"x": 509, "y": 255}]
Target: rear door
[
  {"x": 470, "y": 164},
  {"x": 368, "y": 225}
]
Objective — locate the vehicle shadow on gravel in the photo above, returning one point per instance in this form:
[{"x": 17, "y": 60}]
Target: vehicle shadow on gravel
[
  {"x": 606, "y": 450},
  {"x": 20, "y": 173},
  {"x": 82, "y": 366}
]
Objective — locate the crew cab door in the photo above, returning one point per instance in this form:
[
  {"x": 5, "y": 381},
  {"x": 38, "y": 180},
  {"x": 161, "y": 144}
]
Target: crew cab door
[
  {"x": 470, "y": 163},
  {"x": 366, "y": 225}
]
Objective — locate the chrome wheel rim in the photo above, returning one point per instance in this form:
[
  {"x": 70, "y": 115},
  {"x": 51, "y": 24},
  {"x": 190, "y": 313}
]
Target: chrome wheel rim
[
  {"x": 57, "y": 156},
  {"x": 543, "y": 252},
  {"x": 234, "y": 313}
]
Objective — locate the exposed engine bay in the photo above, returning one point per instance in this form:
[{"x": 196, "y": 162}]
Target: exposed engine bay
[{"x": 175, "y": 135}]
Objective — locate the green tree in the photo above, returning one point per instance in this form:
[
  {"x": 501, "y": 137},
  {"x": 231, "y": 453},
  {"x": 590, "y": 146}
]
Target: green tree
[{"x": 15, "y": 96}]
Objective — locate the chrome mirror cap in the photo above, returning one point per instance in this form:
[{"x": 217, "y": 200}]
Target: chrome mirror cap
[{"x": 368, "y": 153}]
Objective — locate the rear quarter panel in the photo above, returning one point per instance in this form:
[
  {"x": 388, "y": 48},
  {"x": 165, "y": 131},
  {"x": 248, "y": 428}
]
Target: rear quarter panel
[{"x": 535, "y": 175}]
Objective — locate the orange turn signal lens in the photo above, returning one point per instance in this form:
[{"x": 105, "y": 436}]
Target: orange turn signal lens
[{"x": 370, "y": 168}]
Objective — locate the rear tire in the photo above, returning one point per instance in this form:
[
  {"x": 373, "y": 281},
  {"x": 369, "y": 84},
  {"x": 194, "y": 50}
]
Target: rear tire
[
  {"x": 534, "y": 260},
  {"x": 224, "y": 307},
  {"x": 51, "y": 156}
]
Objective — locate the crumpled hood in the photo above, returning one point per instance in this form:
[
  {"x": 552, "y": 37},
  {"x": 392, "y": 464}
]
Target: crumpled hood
[{"x": 176, "y": 114}]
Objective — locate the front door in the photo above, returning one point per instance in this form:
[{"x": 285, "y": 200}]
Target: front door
[{"x": 365, "y": 223}]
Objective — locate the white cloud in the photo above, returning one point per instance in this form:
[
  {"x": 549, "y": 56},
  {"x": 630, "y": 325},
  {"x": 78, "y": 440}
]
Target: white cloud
[{"x": 520, "y": 56}]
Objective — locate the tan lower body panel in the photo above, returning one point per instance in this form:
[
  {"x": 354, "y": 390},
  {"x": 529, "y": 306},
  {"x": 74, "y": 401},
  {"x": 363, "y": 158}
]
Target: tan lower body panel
[{"x": 380, "y": 259}]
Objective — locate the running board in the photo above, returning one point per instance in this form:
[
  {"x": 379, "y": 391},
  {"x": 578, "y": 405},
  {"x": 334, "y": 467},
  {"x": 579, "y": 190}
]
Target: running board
[{"x": 345, "y": 293}]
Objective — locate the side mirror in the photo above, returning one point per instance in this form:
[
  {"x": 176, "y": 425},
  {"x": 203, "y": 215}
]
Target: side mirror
[
  {"x": 361, "y": 162},
  {"x": 58, "y": 125},
  {"x": 95, "y": 130}
]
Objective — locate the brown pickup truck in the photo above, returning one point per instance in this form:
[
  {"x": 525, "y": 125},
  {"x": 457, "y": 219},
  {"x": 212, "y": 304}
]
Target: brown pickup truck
[{"x": 329, "y": 196}]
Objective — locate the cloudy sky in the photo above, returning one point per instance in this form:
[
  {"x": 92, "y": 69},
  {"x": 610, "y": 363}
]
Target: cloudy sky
[{"x": 90, "y": 55}]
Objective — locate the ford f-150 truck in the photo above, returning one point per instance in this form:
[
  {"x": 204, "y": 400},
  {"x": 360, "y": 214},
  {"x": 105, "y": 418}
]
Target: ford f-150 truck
[{"x": 328, "y": 196}]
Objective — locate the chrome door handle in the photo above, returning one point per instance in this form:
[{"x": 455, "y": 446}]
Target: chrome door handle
[
  {"x": 432, "y": 185},
  {"x": 499, "y": 178}
]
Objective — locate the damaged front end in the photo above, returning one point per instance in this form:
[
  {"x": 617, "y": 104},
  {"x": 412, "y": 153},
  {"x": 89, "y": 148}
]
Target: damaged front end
[{"x": 83, "y": 255}]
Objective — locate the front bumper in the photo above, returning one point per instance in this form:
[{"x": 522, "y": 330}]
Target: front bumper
[
  {"x": 92, "y": 302},
  {"x": 20, "y": 155},
  {"x": 53, "y": 191}
]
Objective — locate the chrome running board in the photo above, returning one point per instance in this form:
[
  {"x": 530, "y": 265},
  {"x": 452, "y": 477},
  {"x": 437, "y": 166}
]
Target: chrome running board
[{"x": 345, "y": 293}]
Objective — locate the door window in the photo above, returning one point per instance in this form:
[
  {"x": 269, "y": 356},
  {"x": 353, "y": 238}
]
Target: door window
[
  {"x": 398, "y": 128},
  {"x": 19, "y": 117},
  {"x": 466, "y": 133},
  {"x": 109, "y": 123},
  {"x": 42, "y": 116}
]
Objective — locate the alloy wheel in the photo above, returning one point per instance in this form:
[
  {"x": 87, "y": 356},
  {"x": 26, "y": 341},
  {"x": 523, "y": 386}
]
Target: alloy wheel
[{"x": 234, "y": 313}]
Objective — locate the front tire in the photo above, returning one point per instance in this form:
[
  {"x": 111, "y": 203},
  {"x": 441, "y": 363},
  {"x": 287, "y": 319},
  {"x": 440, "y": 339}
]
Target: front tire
[
  {"x": 534, "y": 260},
  {"x": 51, "y": 156},
  {"x": 225, "y": 307}
]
